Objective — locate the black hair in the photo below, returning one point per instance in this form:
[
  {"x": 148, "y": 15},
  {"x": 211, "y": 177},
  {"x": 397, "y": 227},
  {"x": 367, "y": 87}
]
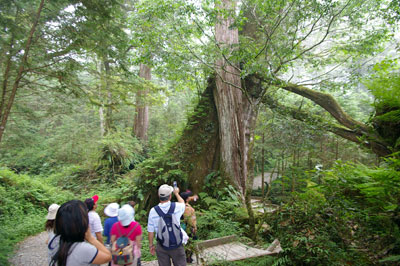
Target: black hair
[
  {"x": 72, "y": 222},
  {"x": 49, "y": 226},
  {"x": 89, "y": 203},
  {"x": 186, "y": 195},
  {"x": 164, "y": 198}
]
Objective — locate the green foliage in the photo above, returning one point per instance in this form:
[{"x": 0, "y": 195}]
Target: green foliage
[
  {"x": 119, "y": 152},
  {"x": 23, "y": 206},
  {"x": 220, "y": 219},
  {"x": 384, "y": 84},
  {"x": 350, "y": 218}
]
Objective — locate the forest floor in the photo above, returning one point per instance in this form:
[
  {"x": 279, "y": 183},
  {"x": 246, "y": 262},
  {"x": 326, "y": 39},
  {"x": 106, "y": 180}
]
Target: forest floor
[{"x": 32, "y": 251}]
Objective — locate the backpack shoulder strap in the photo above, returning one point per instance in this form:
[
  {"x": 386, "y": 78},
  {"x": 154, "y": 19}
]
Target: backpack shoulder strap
[
  {"x": 133, "y": 229},
  {"x": 159, "y": 211},
  {"x": 171, "y": 208},
  {"x": 119, "y": 228}
]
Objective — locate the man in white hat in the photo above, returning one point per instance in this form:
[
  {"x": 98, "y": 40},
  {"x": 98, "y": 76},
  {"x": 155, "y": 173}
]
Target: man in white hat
[
  {"x": 164, "y": 255},
  {"x": 111, "y": 211}
]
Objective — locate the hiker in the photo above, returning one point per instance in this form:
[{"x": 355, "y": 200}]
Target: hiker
[
  {"x": 51, "y": 216},
  {"x": 189, "y": 223},
  {"x": 68, "y": 247},
  {"x": 126, "y": 227},
  {"x": 96, "y": 227},
  {"x": 169, "y": 237},
  {"x": 189, "y": 216},
  {"x": 112, "y": 212}
]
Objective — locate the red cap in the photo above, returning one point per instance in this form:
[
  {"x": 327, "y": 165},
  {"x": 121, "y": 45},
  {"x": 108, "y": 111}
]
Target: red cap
[{"x": 95, "y": 198}]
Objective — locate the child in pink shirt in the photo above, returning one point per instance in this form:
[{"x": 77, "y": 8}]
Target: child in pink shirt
[{"x": 125, "y": 225}]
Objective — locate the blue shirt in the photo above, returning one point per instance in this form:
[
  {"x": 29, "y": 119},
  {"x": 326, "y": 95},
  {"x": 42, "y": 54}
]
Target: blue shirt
[
  {"x": 152, "y": 224},
  {"x": 108, "y": 223}
]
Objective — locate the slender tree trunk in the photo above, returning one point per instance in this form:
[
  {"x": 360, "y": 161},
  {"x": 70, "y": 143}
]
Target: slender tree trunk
[
  {"x": 337, "y": 149},
  {"x": 262, "y": 167},
  {"x": 6, "y": 75},
  {"x": 102, "y": 125},
  {"x": 293, "y": 169},
  {"x": 108, "y": 117},
  {"x": 283, "y": 173},
  {"x": 141, "y": 123},
  {"x": 4, "y": 116}
]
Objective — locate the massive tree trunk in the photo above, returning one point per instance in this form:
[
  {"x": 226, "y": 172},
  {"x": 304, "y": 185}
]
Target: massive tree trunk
[
  {"x": 6, "y": 108},
  {"x": 141, "y": 123},
  {"x": 236, "y": 108},
  {"x": 229, "y": 102}
]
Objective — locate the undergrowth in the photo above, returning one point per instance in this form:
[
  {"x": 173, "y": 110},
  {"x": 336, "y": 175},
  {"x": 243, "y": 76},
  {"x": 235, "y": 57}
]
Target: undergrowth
[
  {"x": 23, "y": 207},
  {"x": 351, "y": 218}
]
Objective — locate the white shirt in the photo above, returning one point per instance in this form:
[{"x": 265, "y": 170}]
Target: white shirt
[
  {"x": 95, "y": 223},
  {"x": 152, "y": 224}
]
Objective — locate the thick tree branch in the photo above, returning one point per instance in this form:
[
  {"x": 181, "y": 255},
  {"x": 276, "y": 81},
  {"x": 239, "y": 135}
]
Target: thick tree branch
[
  {"x": 329, "y": 103},
  {"x": 366, "y": 139}
]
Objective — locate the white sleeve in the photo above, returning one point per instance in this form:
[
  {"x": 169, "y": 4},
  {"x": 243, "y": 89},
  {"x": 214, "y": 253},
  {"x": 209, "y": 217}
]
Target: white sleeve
[
  {"x": 150, "y": 222},
  {"x": 97, "y": 227},
  {"x": 179, "y": 209}
]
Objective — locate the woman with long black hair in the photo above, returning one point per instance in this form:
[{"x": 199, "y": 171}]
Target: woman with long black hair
[{"x": 68, "y": 247}]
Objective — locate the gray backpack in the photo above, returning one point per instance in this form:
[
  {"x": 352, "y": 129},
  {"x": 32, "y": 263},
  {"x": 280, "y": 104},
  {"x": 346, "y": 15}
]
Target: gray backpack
[{"x": 169, "y": 234}]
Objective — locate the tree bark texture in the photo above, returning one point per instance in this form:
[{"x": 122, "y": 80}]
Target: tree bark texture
[
  {"x": 236, "y": 113},
  {"x": 141, "y": 123}
]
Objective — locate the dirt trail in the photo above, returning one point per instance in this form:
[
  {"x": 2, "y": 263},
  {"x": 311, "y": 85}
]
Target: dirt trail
[{"x": 32, "y": 251}]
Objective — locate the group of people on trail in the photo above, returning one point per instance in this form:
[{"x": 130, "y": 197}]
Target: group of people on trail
[{"x": 75, "y": 231}]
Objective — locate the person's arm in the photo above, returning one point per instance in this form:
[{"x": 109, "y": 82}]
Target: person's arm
[
  {"x": 99, "y": 237},
  {"x": 151, "y": 244},
  {"x": 103, "y": 254},
  {"x": 138, "y": 241},
  {"x": 194, "y": 222},
  {"x": 113, "y": 238},
  {"x": 178, "y": 197}
]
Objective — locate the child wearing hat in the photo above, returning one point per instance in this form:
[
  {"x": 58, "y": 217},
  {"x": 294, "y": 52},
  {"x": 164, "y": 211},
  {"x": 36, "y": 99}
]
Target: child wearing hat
[
  {"x": 112, "y": 212},
  {"x": 51, "y": 216},
  {"x": 128, "y": 227},
  {"x": 96, "y": 228}
]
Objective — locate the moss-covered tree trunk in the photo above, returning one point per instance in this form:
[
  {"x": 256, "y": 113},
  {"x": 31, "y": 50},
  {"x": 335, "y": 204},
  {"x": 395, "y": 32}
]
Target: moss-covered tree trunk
[{"x": 219, "y": 135}]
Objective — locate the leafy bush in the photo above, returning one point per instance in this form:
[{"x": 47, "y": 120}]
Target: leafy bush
[
  {"x": 23, "y": 206},
  {"x": 352, "y": 217},
  {"x": 120, "y": 151}
]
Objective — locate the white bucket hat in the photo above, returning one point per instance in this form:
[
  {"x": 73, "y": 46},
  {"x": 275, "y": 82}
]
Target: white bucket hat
[
  {"x": 53, "y": 208},
  {"x": 112, "y": 209},
  {"x": 126, "y": 215}
]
